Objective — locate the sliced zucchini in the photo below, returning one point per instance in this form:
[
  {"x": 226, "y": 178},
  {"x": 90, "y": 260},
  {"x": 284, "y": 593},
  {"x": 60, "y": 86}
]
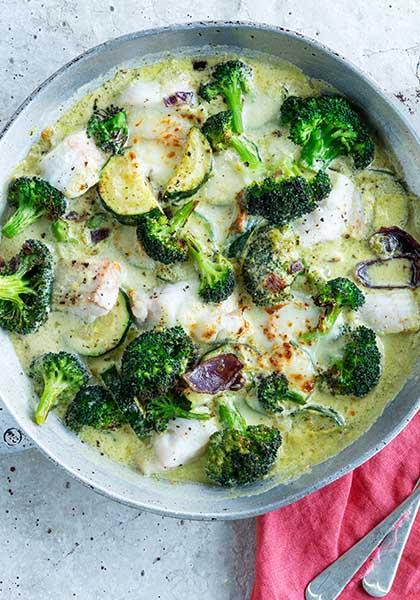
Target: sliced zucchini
[
  {"x": 200, "y": 228},
  {"x": 105, "y": 333},
  {"x": 326, "y": 411},
  {"x": 193, "y": 170},
  {"x": 124, "y": 189}
]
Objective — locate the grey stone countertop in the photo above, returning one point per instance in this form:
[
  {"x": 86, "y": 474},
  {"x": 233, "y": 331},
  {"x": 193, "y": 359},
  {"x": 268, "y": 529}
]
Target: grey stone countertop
[{"x": 58, "y": 538}]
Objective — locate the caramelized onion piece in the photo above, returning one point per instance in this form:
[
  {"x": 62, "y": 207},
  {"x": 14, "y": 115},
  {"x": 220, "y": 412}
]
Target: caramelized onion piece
[
  {"x": 369, "y": 273},
  {"x": 392, "y": 244},
  {"x": 391, "y": 241},
  {"x": 219, "y": 373}
]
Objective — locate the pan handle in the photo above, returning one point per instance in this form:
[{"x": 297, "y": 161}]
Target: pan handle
[{"x": 12, "y": 439}]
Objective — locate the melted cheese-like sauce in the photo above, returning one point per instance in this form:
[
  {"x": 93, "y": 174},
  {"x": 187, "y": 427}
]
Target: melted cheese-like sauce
[{"x": 158, "y": 137}]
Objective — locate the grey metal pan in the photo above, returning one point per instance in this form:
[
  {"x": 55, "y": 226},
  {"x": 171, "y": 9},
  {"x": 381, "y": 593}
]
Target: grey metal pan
[{"x": 43, "y": 106}]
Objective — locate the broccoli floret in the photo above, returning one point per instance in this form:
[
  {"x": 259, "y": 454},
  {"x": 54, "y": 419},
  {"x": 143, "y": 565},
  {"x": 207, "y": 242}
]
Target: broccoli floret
[
  {"x": 229, "y": 80},
  {"x": 130, "y": 406},
  {"x": 161, "y": 237},
  {"x": 95, "y": 407},
  {"x": 57, "y": 377},
  {"x": 240, "y": 454},
  {"x": 236, "y": 241},
  {"x": 266, "y": 269},
  {"x": 108, "y": 127},
  {"x": 275, "y": 397},
  {"x": 25, "y": 288},
  {"x": 33, "y": 198},
  {"x": 273, "y": 393},
  {"x": 162, "y": 409},
  {"x": 152, "y": 363},
  {"x": 358, "y": 370},
  {"x": 283, "y": 200},
  {"x": 335, "y": 296},
  {"x": 146, "y": 416},
  {"x": 217, "y": 277},
  {"x": 327, "y": 127},
  {"x": 218, "y": 129}
]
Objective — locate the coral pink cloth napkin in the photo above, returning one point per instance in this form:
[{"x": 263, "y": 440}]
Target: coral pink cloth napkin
[{"x": 297, "y": 542}]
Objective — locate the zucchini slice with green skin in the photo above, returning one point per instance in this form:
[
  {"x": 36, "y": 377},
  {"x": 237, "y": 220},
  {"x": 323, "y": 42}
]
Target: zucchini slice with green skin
[
  {"x": 193, "y": 170},
  {"x": 105, "y": 333},
  {"x": 200, "y": 228},
  {"x": 124, "y": 190}
]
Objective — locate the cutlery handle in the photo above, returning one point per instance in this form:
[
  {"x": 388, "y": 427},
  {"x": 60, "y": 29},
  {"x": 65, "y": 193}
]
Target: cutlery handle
[
  {"x": 378, "y": 581},
  {"x": 329, "y": 584}
]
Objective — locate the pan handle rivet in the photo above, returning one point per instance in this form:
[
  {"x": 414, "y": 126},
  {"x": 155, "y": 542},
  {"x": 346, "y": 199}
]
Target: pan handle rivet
[{"x": 12, "y": 437}]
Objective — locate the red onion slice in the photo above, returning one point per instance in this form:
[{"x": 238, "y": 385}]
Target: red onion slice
[
  {"x": 394, "y": 240},
  {"x": 98, "y": 235},
  {"x": 179, "y": 98},
  {"x": 219, "y": 373},
  {"x": 367, "y": 279},
  {"x": 391, "y": 244}
]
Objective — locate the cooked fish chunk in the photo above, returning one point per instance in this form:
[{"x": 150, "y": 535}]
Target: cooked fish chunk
[
  {"x": 181, "y": 83},
  {"x": 88, "y": 289},
  {"x": 156, "y": 161},
  {"x": 228, "y": 178},
  {"x": 184, "y": 440},
  {"x": 74, "y": 165},
  {"x": 339, "y": 214},
  {"x": 142, "y": 93},
  {"x": 179, "y": 303},
  {"x": 391, "y": 311},
  {"x": 260, "y": 109},
  {"x": 145, "y": 94},
  {"x": 287, "y": 320},
  {"x": 158, "y": 123},
  {"x": 295, "y": 364},
  {"x": 140, "y": 304}
]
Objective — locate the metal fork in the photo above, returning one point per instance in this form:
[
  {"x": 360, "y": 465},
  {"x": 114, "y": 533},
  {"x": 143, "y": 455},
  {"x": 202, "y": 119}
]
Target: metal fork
[
  {"x": 329, "y": 584},
  {"x": 379, "y": 579}
]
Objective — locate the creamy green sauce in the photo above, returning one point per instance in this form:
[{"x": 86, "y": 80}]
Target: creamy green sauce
[{"x": 309, "y": 440}]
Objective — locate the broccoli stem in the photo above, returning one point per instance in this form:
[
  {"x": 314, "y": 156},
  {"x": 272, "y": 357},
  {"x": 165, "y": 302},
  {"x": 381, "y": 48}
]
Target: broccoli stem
[
  {"x": 231, "y": 418},
  {"x": 204, "y": 264},
  {"x": 13, "y": 286},
  {"x": 188, "y": 414},
  {"x": 330, "y": 317},
  {"x": 53, "y": 388},
  {"x": 294, "y": 397},
  {"x": 181, "y": 216},
  {"x": 233, "y": 98},
  {"x": 325, "y": 324},
  {"x": 245, "y": 153},
  {"x": 21, "y": 218}
]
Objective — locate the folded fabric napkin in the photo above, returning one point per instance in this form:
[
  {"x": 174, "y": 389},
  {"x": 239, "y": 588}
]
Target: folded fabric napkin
[{"x": 297, "y": 542}]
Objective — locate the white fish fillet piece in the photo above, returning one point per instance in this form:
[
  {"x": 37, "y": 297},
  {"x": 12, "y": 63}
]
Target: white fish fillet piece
[
  {"x": 184, "y": 440},
  {"x": 339, "y": 214},
  {"x": 179, "y": 303},
  {"x": 74, "y": 165},
  {"x": 142, "y": 93},
  {"x": 88, "y": 289},
  {"x": 391, "y": 311}
]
